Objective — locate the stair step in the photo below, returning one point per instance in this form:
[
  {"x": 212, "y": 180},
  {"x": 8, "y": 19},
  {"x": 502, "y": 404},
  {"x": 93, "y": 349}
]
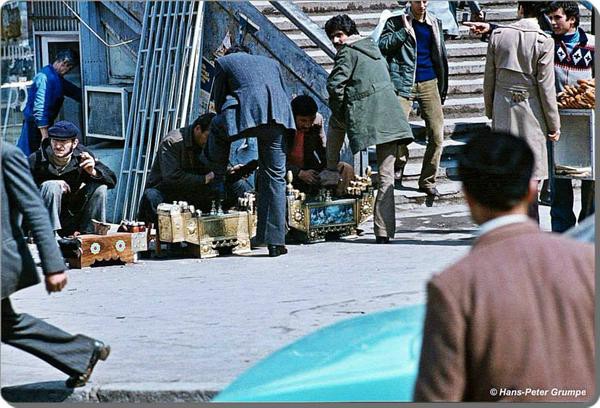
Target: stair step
[{"x": 453, "y": 126}]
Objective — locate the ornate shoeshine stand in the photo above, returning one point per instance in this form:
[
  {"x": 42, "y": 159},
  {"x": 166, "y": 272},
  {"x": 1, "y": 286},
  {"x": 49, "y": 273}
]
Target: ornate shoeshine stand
[
  {"x": 316, "y": 217},
  {"x": 112, "y": 242},
  {"x": 207, "y": 234}
]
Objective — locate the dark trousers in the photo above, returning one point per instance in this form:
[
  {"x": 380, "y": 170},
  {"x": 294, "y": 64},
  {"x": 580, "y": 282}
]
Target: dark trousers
[
  {"x": 270, "y": 185},
  {"x": 270, "y": 180},
  {"x": 70, "y": 354},
  {"x": 74, "y": 211},
  {"x": 561, "y": 211}
]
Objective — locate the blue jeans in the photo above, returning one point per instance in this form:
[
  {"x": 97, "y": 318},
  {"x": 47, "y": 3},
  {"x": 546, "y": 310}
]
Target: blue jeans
[
  {"x": 270, "y": 180},
  {"x": 561, "y": 211}
]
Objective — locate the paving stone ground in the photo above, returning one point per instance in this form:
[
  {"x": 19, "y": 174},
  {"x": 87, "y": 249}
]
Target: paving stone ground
[{"x": 182, "y": 329}]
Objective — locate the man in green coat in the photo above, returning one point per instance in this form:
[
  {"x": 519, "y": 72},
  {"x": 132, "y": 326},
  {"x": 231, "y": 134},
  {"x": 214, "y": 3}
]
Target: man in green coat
[{"x": 364, "y": 106}]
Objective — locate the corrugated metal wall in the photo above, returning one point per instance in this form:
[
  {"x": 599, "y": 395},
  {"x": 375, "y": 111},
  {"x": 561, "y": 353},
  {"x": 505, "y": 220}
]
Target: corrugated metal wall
[{"x": 53, "y": 16}]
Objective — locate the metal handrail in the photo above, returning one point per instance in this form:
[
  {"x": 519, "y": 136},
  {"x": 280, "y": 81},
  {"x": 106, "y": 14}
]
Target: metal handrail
[{"x": 306, "y": 25}]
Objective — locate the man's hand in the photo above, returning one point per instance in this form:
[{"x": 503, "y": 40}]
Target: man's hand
[
  {"x": 309, "y": 176},
  {"x": 44, "y": 132},
  {"x": 209, "y": 177},
  {"x": 235, "y": 168},
  {"x": 88, "y": 164},
  {"x": 478, "y": 28},
  {"x": 64, "y": 186},
  {"x": 554, "y": 136},
  {"x": 478, "y": 17},
  {"x": 56, "y": 282}
]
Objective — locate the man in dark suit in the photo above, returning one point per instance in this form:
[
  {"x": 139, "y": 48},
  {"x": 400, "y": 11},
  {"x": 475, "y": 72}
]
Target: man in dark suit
[
  {"x": 514, "y": 319},
  {"x": 74, "y": 355},
  {"x": 251, "y": 101}
]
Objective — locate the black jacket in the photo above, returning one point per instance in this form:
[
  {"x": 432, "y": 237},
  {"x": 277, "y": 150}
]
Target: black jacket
[
  {"x": 177, "y": 166},
  {"x": 42, "y": 170}
]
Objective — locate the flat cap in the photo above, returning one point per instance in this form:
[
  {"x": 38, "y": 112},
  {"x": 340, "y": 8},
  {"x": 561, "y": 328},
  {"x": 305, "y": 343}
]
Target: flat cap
[{"x": 63, "y": 130}]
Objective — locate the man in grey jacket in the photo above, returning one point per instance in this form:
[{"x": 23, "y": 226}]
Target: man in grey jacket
[
  {"x": 413, "y": 45},
  {"x": 74, "y": 355},
  {"x": 251, "y": 101}
]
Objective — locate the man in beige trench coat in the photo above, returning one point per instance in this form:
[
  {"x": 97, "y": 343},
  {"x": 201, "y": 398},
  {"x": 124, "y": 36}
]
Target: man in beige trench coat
[{"x": 519, "y": 89}]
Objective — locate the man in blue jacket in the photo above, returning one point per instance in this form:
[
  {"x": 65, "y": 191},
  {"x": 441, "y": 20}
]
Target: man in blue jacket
[
  {"x": 44, "y": 100},
  {"x": 251, "y": 101}
]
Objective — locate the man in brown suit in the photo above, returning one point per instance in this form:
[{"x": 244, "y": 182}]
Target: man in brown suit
[
  {"x": 514, "y": 319},
  {"x": 518, "y": 87}
]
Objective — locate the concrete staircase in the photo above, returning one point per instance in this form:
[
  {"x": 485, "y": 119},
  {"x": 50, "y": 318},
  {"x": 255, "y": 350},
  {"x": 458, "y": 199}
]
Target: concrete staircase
[{"x": 463, "y": 109}]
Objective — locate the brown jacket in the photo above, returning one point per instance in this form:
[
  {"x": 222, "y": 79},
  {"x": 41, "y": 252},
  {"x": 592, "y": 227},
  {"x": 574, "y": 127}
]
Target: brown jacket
[
  {"x": 519, "y": 89},
  {"x": 516, "y": 313}
]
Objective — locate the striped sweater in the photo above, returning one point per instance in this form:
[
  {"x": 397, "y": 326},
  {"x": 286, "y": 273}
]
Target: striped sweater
[{"x": 573, "y": 61}]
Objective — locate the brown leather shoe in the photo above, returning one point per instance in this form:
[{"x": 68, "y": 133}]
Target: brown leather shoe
[
  {"x": 101, "y": 352},
  {"x": 430, "y": 191}
]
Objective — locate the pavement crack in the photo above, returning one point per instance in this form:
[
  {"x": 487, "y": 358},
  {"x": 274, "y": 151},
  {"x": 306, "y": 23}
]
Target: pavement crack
[{"x": 343, "y": 302}]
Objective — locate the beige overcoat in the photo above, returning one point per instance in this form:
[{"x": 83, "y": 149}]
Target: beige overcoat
[{"x": 519, "y": 89}]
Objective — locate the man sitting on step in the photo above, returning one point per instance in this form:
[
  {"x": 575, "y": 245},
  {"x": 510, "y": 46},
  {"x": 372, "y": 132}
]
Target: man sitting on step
[
  {"x": 72, "y": 181},
  {"x": 306, "y": 157}
]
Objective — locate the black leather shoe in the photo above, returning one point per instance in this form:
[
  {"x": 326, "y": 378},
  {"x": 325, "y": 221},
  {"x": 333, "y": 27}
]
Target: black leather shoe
[
  {"x": 276, "y": 250},
  {"x": 430, "y": 191},
  {"x": 382, "y": 240},
  {"x": 100, "y": 352},
  {"x": 68, "y": 244}
]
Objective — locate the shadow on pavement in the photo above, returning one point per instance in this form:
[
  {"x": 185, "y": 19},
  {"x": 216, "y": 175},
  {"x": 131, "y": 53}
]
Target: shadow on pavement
[
  {"x": 452, "y": 242},
  {"x": 48, "y": 391}
]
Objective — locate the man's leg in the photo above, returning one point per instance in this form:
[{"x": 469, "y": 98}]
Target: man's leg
[
  {"x": 587, "y": 199},
  {"x": 51, "y": 192},
  {"x": 431, "y": 111},
  {"x": 402, "y": 149},
  {"x": 94, "y": 207},
  {"x": 70, "y": 354},
  {"x": 533, "y": 209},
  {"x": 385, "y": 209},
  {"x": 561, "y": 211},
  {"x": 148, "y": 210},
  {"x": 271, "y": 202}
]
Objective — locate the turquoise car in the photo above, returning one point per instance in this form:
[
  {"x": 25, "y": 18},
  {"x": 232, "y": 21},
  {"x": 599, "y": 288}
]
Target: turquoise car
[{"x": 369, "y": 358}]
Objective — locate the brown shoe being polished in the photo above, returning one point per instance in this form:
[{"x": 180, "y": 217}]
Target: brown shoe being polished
[{"x": 101, "y": 352}]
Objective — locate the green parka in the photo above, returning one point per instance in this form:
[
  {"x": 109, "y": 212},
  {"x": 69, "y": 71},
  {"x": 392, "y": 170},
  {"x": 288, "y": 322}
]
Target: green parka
[{"x": 362, "y": 96}]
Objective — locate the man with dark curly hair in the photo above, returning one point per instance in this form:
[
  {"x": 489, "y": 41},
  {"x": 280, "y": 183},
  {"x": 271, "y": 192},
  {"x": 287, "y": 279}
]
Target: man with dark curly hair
[{"x": 364, "y": 105}]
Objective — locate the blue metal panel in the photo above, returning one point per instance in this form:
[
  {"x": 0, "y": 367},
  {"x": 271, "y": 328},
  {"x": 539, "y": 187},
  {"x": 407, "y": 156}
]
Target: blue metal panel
[
  {"x": 301, "y": 73},
  {"x": 93, "y": 53}
]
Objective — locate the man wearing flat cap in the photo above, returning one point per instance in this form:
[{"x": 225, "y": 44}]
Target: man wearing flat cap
[{"x": 72, "y": 181}]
